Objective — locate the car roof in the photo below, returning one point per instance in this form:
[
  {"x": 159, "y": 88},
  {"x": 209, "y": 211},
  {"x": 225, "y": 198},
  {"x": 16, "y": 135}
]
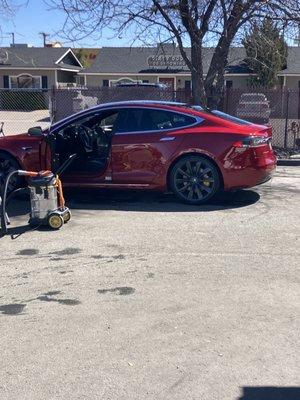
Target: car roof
[{"x": 141, "y": 102}]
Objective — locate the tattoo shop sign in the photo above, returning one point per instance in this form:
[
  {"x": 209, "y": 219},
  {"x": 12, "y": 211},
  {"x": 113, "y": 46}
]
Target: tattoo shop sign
[{"x": 166, "y": 61}]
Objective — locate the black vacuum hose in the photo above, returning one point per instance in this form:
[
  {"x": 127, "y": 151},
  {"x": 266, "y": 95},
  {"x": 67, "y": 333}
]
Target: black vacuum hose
[{"x": 4, "y": 217}]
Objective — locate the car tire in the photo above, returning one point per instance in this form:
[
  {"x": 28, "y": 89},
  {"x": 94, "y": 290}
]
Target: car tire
[
  {"x": 7, "y": 165},
  {"x": 194, "y": 180}
]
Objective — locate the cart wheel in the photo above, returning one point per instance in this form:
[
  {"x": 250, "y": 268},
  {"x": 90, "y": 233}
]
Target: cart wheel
[
  {"x": 55, "y": 221},
  {"x": 67, "y": 217}
]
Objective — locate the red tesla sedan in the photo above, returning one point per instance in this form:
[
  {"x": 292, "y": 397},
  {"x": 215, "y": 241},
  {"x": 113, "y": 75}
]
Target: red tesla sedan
[{"x": 148, "y": 145}]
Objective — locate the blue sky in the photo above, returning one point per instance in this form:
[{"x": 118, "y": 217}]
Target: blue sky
[{"x": 35, "y": 18}]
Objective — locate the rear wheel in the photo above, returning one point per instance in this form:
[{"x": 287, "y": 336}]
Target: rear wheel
[
  {"x": 7, "y": 165},
  {"x": 194, "y": 180},
  {"x": 67, "y": 217}
]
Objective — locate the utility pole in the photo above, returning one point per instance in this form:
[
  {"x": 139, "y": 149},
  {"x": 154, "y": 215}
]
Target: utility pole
[
  {"x": 12, "y": 38},
  {"x": 45, "y": 35}
]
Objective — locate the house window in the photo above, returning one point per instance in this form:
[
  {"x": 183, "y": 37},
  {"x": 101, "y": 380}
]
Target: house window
[
  {"x": 25, "y": 82},
  {"x": 187, "y": 85}
]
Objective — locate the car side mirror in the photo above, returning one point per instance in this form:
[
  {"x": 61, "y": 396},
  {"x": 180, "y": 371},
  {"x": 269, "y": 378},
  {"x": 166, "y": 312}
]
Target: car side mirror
[{"x": 35, "y": 131}]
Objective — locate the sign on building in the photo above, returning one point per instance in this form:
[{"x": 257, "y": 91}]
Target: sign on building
[{"x": 166, "y": 61}]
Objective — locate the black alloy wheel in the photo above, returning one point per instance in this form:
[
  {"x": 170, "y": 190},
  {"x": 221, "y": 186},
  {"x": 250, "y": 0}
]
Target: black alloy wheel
[{"x": 194, "y": 180}]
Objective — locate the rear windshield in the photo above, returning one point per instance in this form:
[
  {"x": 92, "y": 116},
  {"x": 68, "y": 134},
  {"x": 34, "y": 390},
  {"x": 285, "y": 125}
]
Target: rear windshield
[
  {"x": 222, "y": 115},
  {"x": 230, "y": 118}
]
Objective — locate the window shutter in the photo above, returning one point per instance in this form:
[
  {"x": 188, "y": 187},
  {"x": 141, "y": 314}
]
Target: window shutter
[
  {"x": 105, "y": 82},
  {"x": 6, "y": 82},
  {"x": 44, "y": 82}
]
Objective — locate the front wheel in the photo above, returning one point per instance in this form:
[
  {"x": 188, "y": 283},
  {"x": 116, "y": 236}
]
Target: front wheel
[
  {"x": 55, "y": 221},
  {"x": 194, "y": 180}
]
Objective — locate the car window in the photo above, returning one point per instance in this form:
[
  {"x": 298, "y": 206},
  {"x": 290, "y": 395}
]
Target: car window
[
  {"x": 105, "y": 120},
  {"x": 129, "y": 120},
  {"x": 108, "y": 122},
  {"x": 141, "y": 120},
  {"x": 230, "y": 118}
]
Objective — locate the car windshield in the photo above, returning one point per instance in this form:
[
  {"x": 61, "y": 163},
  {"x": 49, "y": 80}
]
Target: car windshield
[{"x": 253, "y": 97}]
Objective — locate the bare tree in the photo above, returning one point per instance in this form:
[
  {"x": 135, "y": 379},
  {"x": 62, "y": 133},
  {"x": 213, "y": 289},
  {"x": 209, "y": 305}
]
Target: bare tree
[
  {"x": 8, "y": 8},
  {"x": 191, "y": 23}
]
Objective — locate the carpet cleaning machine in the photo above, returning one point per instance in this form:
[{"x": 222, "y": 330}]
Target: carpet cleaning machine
[{"x": 46, "y": 198}]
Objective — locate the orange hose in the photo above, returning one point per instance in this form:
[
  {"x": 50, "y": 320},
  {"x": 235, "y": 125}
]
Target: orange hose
[
  {"x": 35, "y": 174},
  {"x": 61, "y": 200}
]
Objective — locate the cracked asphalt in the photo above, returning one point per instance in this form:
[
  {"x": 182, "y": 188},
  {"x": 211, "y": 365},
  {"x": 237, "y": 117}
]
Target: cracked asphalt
[{"x": 140, "y": 297}]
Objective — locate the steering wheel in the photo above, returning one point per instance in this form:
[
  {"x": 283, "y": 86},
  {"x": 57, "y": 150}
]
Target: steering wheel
[{"x": 70, "y": 132}]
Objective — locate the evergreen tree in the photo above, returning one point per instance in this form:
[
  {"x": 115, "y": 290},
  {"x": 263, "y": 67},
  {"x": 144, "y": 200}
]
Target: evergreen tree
[{"x": 266, "y": 53}]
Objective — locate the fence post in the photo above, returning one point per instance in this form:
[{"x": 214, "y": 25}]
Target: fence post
[
  {"x": 286, "y": 119},
  {"x": 298, "y": 99},
  {"x": 52, "y": 105}
]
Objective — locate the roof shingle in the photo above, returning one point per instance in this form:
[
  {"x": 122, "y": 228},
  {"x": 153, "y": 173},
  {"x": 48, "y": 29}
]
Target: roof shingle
[
  {"x": 31, "y": 57},
  {"x": 135, "y": 59}
]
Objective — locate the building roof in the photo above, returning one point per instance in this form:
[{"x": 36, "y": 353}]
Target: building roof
[
  {"x": 293, "y": 62},
  {"x": 150, "y": 60},
  {"x": 38, "y": 57}
]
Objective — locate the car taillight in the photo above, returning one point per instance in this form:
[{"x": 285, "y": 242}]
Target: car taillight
[{"x": 252, "y": 141}]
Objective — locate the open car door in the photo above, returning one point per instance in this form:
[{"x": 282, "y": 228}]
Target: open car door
[{"x": 47, "y": 152}]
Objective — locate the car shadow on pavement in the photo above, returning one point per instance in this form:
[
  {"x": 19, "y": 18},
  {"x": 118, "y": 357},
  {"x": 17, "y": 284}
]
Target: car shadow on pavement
[
  {"x": 270, "y": 393},
  {"x": 146, "y": 201}
]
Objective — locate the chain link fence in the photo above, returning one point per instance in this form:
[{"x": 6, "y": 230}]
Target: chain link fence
[
  {"x": 279, "y": 108},
  {"x": 22, "y": 109},
  {"x": 65, "y": 102}
]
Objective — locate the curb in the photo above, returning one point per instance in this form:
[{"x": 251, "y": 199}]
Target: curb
[{"x": 288, "y": 162}]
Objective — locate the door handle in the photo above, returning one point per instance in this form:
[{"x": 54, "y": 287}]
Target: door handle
[
  {"x": 26, "y": 148},
  {"x": 167, "y": 139}
]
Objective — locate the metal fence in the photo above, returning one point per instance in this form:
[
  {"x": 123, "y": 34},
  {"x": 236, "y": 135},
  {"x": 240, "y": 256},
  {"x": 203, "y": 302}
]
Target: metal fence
[
  {"x": 22, "y": 109},
  {"x": 280, "y": 108},
  {"x": 64, "y": 102}
]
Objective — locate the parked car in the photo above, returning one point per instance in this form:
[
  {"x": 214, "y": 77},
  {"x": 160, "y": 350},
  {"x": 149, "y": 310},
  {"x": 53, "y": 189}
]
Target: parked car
[
  {"x": 148, "y": 145},
  {"x": 254, "y": 106},
  {"x": 143, "y": 85}
]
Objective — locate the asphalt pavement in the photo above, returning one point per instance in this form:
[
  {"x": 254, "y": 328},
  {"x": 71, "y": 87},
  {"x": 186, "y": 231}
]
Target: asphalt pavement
[{"x": 141, "y": 297}]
